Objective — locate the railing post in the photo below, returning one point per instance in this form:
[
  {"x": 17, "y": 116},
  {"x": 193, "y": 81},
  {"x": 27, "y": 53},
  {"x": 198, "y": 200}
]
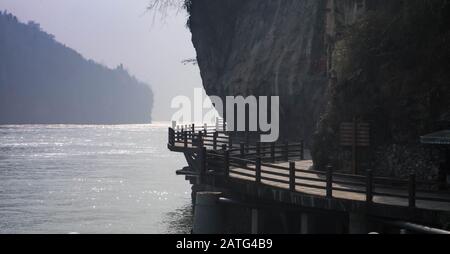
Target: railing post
[
  {"x": 224, "y": 147},
  {"x": 227, "y": 163},
  {"x": 193, "y": 131},
  {"x": 200, "y": 139},
  {"x": 230, "y": 142},
  {"x": 263, "y": 150},
  {"x": 242, "y": 148},
  {"x": 216, "y": 134},
  {"x": 185, "y": 136},
  {"x": 205, "y": 128},
  {"x": 242, "y": 152},
  {"x": 171, "y": 137},
  {"x": 369, "y": 187},
  {"x": 302, "y": 150},
  {"x": 272, "y": 152},
  {"x": 292, "y": 180},
  {"x": 412, "y": 190},
  {"x": 202, "y": 163},
  {"x": 258, "y": 149},
  {"x": 258, "y": 170},
  {"x": 286, "y": 152},
  {"x": 329, "y": 181},
  {"x": 180, "y": 135}
]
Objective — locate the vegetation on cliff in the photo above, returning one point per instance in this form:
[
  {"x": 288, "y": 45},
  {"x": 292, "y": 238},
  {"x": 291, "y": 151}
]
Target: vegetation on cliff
[
  {"x": 43, "y": 81},
  {"x": 392, "y": 72}
]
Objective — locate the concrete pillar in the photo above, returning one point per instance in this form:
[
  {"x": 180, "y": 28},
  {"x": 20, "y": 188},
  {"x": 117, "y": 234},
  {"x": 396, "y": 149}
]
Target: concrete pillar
[
  {"x": 358, "y": 224},
  {"x": 403, "y": 232},
  {"x": 285, "y": 222},
  {"x": 305, "y": 224},
  {"x": 323, "y": 223},
  {"x": 208, "y": 217},
  {"x": 255, "y": 221}
]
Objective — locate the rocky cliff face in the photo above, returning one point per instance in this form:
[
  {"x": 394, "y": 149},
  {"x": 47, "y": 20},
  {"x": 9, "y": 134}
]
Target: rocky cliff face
[
  {"x": 268, "y": 48},
  {"x": 382, "y": 61}
]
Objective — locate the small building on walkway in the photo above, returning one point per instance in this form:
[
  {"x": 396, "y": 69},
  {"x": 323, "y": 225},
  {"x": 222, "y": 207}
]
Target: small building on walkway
[{"x": 441, "y": 141}]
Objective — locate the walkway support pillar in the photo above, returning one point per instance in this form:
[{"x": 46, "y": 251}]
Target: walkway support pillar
[
  {"x": 208, "y": 213},
  {"x": 255, "y": 221},
  {"x": 358, "y": 224},
  {"x": 305, "y": 224}
]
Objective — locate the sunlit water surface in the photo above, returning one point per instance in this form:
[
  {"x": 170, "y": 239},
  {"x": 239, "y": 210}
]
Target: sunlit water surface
[{"x": 91, "y": 179}]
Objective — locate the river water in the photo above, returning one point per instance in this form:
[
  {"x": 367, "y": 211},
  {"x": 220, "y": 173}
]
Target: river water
[{"x": 91, "y": 179}]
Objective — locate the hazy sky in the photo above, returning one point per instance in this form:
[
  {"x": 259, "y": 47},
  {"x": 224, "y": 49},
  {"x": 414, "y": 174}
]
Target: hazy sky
[{"x": 112, "y": 32}]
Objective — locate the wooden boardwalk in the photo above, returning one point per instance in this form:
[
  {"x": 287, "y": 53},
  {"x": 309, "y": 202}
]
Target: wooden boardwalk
[
  {"x": 285, "y": 166},
  {"x": 350, "y": 194}
]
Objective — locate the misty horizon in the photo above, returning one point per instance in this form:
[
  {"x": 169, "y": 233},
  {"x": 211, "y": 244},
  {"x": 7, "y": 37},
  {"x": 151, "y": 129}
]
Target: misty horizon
[{"x": 149, "y": 46}]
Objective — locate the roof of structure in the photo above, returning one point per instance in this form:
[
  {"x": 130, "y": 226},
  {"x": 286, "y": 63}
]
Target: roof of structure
[{"x": 437, "y": 138}]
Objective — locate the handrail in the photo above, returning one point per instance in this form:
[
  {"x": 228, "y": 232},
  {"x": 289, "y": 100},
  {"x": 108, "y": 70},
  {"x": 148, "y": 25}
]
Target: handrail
[{"x": 259, "y": 162}]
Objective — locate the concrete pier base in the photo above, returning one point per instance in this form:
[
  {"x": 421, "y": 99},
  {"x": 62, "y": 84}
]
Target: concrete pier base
[
  {"x": 208, "y": 217},
  {"x": 358, "y": 224},
  {"x": 255, "y": 222},
  {"x": 322, "y": 223},
  {"x": 306, "y": 225}
]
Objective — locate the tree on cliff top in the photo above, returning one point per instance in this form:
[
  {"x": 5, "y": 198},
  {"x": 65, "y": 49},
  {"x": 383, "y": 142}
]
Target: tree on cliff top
[{"x": 163, "y": 6}]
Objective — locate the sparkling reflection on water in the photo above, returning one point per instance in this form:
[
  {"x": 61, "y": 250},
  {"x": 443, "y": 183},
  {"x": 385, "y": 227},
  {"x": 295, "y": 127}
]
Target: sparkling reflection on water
[{"x": 91, "y": 179}]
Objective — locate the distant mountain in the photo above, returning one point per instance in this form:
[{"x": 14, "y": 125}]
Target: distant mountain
[{"x": 43, "y": 81}]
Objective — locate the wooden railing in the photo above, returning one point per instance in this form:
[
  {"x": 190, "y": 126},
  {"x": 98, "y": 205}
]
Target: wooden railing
[{"x": 221, "y": 154}]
